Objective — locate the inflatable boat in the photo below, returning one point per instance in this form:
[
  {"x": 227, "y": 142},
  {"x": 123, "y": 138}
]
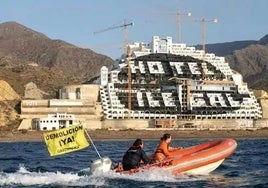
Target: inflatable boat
[{"x": 198, "y": 159}]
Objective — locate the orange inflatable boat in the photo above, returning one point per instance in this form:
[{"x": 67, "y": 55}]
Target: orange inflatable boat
[{"x": 199, "y": 159}]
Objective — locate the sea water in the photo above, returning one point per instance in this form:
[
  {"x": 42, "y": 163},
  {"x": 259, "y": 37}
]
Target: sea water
[{"x": 28, "y": 164}]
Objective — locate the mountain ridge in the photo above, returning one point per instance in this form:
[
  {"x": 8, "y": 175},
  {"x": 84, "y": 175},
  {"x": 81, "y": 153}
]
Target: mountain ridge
[
  {"x": 227, "y": 48},
  {"x": 27, "y": 55},
  {"x": 249, "y": 58}
]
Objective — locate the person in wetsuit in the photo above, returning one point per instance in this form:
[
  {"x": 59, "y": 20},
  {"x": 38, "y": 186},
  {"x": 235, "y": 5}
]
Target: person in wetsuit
[{"x": 134, "y": 156}]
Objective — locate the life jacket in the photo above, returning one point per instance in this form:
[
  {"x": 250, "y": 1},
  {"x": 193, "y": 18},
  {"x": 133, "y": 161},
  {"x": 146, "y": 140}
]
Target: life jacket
[{"x": 161, "y": 152}]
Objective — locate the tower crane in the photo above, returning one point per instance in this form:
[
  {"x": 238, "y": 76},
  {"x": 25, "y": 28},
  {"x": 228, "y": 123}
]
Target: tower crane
[
  {"x": 115, "y": 27},
  {"x": 179, "y": 14},
  {"x": 127, "y": 52},
  {"x": 124, "y": 26},
  {"x": 203, "y": 22}
]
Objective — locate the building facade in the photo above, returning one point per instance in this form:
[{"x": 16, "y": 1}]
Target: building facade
[{"x": 163, "y": 79}]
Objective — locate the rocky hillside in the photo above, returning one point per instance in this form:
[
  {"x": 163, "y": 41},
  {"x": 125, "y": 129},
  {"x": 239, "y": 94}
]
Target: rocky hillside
[
  {"x": 250, "y": 58},
  {"x": 252, "y": 63},
  {"x": 9, "y": 101},
  {"x": 29, "y": 56},
  {"x": 227, "y": 48}
]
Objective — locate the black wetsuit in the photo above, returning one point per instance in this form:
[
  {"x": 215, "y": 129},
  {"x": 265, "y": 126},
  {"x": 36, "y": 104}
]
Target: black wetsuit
[{"x": 132, "y": 158}]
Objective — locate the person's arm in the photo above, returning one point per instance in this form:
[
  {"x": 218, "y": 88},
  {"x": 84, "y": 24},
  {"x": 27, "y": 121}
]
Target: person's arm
[
  {"x": 166, "y": 151},
  {"x": 174, "y": 148},
  {"x": 144, "y": 157}
]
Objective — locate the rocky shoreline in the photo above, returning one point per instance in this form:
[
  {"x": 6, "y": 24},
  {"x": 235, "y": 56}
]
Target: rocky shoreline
[{"x": 100, "y": 134}]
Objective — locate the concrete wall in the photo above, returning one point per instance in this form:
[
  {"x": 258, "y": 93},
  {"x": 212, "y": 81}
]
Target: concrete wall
[
  {"x": 85, "y": 91},
  {"x": 51, "y": 110},
  {"x": 127, "y": 124},
  {"x": 34, "y": 108},
  {"x": 86, "y": 110},
  {"x": 262, "y": 97},
  {"x": 262, "y": 123},
  {"x": 264, "y": 106},
  {"x": 217, "y": 124},
  {"x": 180, "y": 124}
]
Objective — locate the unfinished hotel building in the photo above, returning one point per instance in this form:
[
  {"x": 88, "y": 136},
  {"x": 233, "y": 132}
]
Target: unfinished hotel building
[{"x": 173, "y": 81}]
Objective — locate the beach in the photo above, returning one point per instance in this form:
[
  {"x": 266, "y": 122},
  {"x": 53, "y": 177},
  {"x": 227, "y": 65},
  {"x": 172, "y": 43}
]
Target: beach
[{"x": 103, "y": 134}]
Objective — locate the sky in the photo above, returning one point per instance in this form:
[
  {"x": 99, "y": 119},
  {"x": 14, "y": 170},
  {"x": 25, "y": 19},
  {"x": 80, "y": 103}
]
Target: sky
[{"x": 76, "y": 21}]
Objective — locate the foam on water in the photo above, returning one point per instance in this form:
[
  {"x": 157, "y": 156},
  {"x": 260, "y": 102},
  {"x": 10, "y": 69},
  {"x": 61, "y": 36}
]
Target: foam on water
[
  {"x": 155, "y": 175},
  {"x": 26, "y": 178}
]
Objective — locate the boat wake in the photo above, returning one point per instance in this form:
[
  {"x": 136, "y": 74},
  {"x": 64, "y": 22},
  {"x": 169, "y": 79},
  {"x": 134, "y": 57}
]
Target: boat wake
[
  {"x": 24, "y": 177},
  {"x": 27, "y": 178}
]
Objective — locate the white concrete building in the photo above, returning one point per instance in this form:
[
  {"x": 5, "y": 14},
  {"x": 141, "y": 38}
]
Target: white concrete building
[{"x": 172, "y": 80}]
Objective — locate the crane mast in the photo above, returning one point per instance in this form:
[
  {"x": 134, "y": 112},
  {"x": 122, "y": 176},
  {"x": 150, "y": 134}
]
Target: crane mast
[
  {"x": 203, "y": 21},
  {"x": 127, "y": 58}
]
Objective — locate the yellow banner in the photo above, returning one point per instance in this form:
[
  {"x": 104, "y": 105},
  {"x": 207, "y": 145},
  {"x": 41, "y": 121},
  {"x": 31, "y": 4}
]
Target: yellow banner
[{"x": 66, "y": 140}]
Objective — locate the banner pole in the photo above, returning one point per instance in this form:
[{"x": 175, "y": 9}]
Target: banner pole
[{"x": 93, "y": 144}]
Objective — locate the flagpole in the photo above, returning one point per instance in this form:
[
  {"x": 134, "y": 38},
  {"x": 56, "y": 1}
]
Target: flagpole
[{"x": 93, "y": 144}]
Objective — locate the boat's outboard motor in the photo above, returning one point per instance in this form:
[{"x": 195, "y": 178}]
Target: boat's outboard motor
[{"x": 101, "y": 165}]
